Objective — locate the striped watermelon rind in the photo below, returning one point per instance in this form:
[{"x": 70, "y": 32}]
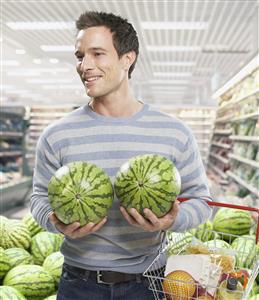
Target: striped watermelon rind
[
  {"x": 5, "y": 265},
  {"x": 43, "y": 244},
  {"x": 80, "y": 191},
  {"x": 229, "y": 221},
  {"x": 31, "y": 281},
  {"x": 10, "y": 293},
  {"x": 18, "y": 256},
  {"x": 53, "y": 264},
  {"x": 217, "y": 244},
  {"x": 148, "y": 181},
  {"x": 31, "y": 224},
  {"x": 14, "y": 234},
  {"x": 177, "y": 242},
  {"x": 204, "y": 231},
  {"x": 246, "y": 250}
]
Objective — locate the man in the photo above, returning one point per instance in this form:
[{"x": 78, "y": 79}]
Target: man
[{"x": 106, "y": 260}]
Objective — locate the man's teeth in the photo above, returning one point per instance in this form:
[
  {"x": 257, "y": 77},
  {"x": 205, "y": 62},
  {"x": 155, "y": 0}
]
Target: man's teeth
[{"x": 92, "y": 79}]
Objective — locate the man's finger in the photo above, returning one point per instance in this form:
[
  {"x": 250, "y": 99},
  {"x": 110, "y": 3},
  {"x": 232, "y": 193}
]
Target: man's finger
[
  {"x": 151, "y": 216},
  {"x": 127, "y": 216}
]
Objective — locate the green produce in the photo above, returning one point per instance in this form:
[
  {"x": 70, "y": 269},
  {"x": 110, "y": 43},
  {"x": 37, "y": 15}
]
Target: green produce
[
  {"x": 31, "y": 224},
  {"x": 246, "y": 250},
  {"x": 5, "y": 265},
  {"x": 32, "y": 281},
  {"x": 53, "y": 264},
  {"x": 80, "y": 191},
  {"x": 53, "y": 297},
  {"x": 43, "y": 244},
  {"x": 14, "y": 234},
  {"x": 255, "y": 297},
  {"x": 220, "y": 244},
  {"x": 10, "y": 293},
  {"x": 204, "y": 231},
  {"x": 232, "y": 221},
  {"x": 18, "y": 256},
  {"x": 148, "y": 181},
  {"x": 177, "y": 242}
]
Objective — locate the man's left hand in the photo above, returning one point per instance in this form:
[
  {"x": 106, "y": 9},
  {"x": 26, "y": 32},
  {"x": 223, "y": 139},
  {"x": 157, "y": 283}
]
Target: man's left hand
[{"x": 151, "y": 222}]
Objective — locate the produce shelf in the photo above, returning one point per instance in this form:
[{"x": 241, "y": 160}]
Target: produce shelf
[
  {"x": 220, "y": 158},
  {"x": 220, "y": 145},
  {"x": 218, "y": 171},
  {"x": 244, "y": 138},
  {"x": 254, "y": 115},
  {"x": 243, "y": 183},
  {"x": 249, "y": 162}
]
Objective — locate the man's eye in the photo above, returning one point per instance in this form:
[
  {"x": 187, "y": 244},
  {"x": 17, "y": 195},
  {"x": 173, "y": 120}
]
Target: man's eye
[{"x": 98, "y": 53}]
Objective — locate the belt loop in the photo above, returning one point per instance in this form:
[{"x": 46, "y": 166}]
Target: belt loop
[{"x": 138, "y": 278}]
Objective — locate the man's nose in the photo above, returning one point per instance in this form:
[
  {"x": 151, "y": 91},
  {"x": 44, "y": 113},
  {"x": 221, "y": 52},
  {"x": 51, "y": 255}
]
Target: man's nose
[{"x": 87, "y": 63}]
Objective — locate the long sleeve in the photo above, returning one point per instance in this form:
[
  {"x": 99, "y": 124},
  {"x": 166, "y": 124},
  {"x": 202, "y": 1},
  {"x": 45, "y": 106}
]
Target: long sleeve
[
  {"x": 46, "y": 164},
  {"x": 194, "y": 187}
]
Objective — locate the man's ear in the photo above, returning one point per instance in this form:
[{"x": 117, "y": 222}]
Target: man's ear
[{"x": 128, "y": 59}]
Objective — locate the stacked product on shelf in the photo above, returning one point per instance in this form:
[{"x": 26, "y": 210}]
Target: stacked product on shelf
[
  {"x": 200, "y": 120},
  {"x": 40, "y": 118},
  {"x": 234, "y": 151},
  {"x": 15, "y": 180}
]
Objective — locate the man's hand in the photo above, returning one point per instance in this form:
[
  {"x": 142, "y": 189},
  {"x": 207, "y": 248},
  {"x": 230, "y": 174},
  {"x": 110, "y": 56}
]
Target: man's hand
[
  {"x": 74, "y": 230},
  {"x": 151, "y": 222}
]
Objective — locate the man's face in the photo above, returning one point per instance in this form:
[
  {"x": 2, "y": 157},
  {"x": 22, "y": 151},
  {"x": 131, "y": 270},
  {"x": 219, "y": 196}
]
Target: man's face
[{"x": 98, "y": 64}]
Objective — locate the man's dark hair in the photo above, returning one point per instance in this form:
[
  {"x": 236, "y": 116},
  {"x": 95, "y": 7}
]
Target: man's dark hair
[{"x": 124, "y": 35}]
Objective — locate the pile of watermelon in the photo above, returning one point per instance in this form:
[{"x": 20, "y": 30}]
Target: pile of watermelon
[
  {"x": 30, "y": 260},
  {"x": 230, "y": 229}
]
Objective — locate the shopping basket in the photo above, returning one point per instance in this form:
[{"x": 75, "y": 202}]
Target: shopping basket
[{"x": 192, "y": 289}]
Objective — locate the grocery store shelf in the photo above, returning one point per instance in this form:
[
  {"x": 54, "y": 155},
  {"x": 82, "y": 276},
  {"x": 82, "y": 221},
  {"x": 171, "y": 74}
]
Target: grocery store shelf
[
  {"x": 201, "y": 131},
  {"x": 249, "y": 162},
  {"x": 48, "y": 115},
  {"x": 243, "y": 183},
  {"x": 254, "y": 115},
  {"x": 224, "y": 119},
  {"x": 220, "y": 145},
  {"x": 10, "y": 153},
  {"x": 196, "y": 123},
  {"x": 222, "y": 131},
  {"x": 11, "y": 134},
  {"x": 244, "y": 138},
  {"x": 230, "y": 103},
  {"x": 218, "y": 171},
  {"x": 220, "y": 158}
]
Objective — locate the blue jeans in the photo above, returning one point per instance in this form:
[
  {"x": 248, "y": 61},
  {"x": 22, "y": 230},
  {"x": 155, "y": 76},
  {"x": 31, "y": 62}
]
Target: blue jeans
[{"x": 73, "y": 287}]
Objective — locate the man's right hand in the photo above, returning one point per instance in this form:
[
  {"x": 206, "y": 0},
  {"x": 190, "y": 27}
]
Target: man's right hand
[{"x": 74, "y": 230}]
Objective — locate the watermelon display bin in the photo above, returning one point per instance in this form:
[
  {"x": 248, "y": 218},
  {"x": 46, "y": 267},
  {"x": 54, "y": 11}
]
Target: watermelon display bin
[{"x": 218, "y": 260}]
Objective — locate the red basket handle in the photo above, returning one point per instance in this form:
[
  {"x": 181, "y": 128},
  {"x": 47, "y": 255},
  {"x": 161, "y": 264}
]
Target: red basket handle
[{"x": 241, "y": 207}]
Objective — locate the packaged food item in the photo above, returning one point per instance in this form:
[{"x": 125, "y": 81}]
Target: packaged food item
[{"x": 230, "y": 289}]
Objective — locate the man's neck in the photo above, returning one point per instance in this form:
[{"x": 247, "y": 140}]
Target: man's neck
[{"x": 112, "y": 108}]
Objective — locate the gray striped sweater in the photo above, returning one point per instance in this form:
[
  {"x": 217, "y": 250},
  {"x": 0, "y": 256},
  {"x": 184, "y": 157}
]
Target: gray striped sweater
[{"x": 109, "y": 142}]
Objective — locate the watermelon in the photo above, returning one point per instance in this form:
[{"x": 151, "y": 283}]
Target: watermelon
[
  {"x": 14, "y": 234},
  {"x": 229, "y": 221},
  {"x": 80, "y": 191},
  {"x": 32, "y": 281},
  {"x": 18, "y": 256},
  {"x": 31, "y": 224},
  {"x": 53, "y": 297},
  {"x": 43, "y": 244},
  {"x": 10, "y": 293},
  {"x": 255, "y": 297},
  {"x": 5, "y": 265},
  {"x": 218, "y": 244},
  {"x": 177, "y": 242},
  {"x": 53, "y": 264},
  {"x": 204, "y": 231},
  {"x": 148, "y": 181},
  {"x": 246, "y": 250}
]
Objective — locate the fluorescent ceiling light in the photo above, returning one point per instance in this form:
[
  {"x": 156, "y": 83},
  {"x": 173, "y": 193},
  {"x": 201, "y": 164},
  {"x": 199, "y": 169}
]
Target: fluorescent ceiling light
[
  {"x": 18, "y": 92},
  {"x": 57, "y": 48},
  {"x": 37, "y": 72},
  {"x": 156, "y": 81},
  {"x": 20, "y": 51},
  {"x": 174, "y": 25},
  {"x": 40, "y": 25},
  {"x": 174, "y": 63},
  {"x": 54, "y": 81},
  {"x": 186, "y": 74},
  {"x": 9, "y": 63},
  {"x": 23, "y": 73},
  {"x": 6, "y": 87},
  {"x": 53, "y": 60},
  {"x": 173, "y": 48},
  {"x": 37, "y": 61},
  {"x": 62, "y": 87}
]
